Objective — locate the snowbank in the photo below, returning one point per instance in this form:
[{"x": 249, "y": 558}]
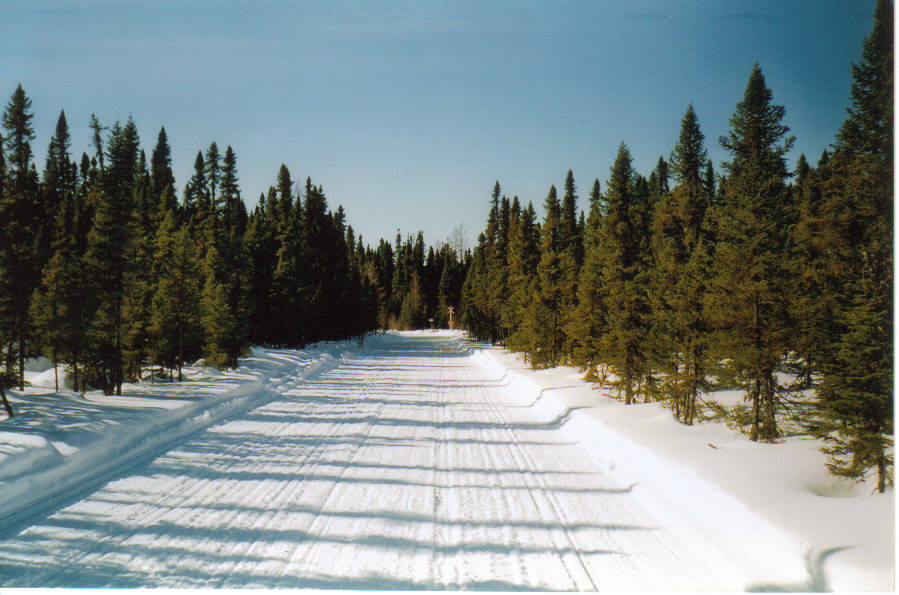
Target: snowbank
[
  {"x": 61, "y": 444},
  {"x": 845, "y": 533}
]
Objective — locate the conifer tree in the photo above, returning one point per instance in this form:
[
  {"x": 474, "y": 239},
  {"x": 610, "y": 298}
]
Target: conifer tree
[
  {"x": 97, "y": 137},
  {"x": 161, "y": 176},
  {"x": 174, "y": 317},
  {"x": 588, "y": 324},
  {"x": 748, "y": 294},
  {"x": 59, "y": 175},
  {"x": 235, "y": 259},
  {"x": 216, "y": 316},
  {"x": 570, "y": 237},
  {"x": 108, "y": 258},
  {"x": 680, "y": 264},
  {"x": 196, "y": 197},
  {"x": 497, "y": 271},
  {"x": 855, "y": 395},
  {"x": 20, "y": 247},
  {"x": 213, "y": 169},
  {"x": 474, "y": 297},
  {"x": 544, "y": 325},
  {"x": 624, "y": 300}
]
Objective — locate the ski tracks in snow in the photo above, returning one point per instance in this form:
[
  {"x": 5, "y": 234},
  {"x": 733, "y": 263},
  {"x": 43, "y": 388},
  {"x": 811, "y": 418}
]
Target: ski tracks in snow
[{"x": 408, "y": 466}]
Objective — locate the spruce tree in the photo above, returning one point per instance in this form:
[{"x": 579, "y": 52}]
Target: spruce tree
[
  {"x": 679, "y": 245},
  {"x": 748, "y": 294},
  {"x": 20, "y": 238},
  {"x": 109, "y": 255},
  {"x": 623, "y": 278},
  {"x": 855, "y": 395},
  {"x": 588, "y": 324},
  {"x": 213, "y": 170},
  {"x": 544, "y": 324},
  {"x": 570, "y": 238},
  {"x": 196, "y": 196},
  {"x": 174, "y": 320},
  {"x": 161, "y": 176}
]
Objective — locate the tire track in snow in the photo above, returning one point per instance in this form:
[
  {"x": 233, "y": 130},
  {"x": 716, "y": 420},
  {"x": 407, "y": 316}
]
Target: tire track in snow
[
  {"x": 407, "y": 467},
  {"x": 298, "y": 555}
]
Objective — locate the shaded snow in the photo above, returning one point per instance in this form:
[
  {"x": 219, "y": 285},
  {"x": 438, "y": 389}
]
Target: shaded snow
[
  {"x": 422, "y": 461},
  {"x": 845, "y": 530}
]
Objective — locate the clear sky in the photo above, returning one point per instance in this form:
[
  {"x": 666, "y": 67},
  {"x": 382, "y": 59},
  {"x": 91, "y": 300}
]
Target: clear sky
[{"x": 407, "y": 113}]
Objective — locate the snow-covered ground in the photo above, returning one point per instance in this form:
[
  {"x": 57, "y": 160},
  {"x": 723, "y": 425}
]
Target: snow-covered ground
[{"x": 420, "y": 461}]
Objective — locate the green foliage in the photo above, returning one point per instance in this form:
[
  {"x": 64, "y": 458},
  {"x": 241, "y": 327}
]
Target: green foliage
[
  {"x": 748, "y": 296},
  {"x": 681, "y": 260},
  {"x": 623, "y": 277},
  {"x": 174, "y": 318},
  {"x": 848, "y": 241}
]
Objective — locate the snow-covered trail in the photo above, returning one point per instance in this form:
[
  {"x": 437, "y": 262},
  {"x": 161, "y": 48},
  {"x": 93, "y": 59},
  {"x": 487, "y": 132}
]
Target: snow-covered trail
[{"x": 408, "y": 466}]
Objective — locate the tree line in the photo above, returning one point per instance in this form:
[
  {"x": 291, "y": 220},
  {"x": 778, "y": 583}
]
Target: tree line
[
  {"x": 691, "y": 278},
  {"x": 104, "y": 270}
]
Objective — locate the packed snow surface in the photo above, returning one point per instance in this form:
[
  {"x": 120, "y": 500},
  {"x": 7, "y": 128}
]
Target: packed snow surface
[{"x": 420, "y": 461}]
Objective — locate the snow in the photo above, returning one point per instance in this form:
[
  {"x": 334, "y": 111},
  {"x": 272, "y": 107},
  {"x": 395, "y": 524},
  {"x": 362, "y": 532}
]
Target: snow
[
  {"x": 422, "y": 461},
  {"x": 843, "y": 528}
]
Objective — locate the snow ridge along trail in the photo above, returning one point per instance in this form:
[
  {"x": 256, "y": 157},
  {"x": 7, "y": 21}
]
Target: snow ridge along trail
[{"x": 408, "y": 465}]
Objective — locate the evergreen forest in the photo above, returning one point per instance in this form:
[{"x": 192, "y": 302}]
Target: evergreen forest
[
  {"x": 104, "y": 270},
  {"x": 666, "y": 287},
  {"x": 747, "y": 276}
]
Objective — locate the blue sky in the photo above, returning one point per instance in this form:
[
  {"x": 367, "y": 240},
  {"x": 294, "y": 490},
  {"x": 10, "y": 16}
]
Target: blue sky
[{"x": 408, "y": 112}]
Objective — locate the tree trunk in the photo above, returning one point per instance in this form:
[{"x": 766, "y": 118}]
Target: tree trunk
[
  {"x": 55, "y": 370},
  {"x": 769, "y": 423},
  {"x": 754, "y": 391},
  {"x": 9, "y": 407},
  {"x": 21, "y": 357},
  {"x": 119, "y": 372},
  {"x": 180, "y": 350},
  {"x": 628, "y": 389},
  {"x": 881, "y": 468}
]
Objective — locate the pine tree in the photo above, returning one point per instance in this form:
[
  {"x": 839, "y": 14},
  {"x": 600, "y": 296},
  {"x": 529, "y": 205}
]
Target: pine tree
[
  {"x": 474, "y": 297},
  {"x": 213, "y": 170},
  {"x": 235, "y": 258},
  {"x": 497, "y": 271},
  {"x": 625, "y": 301},
  {"x": 174, "y": 318},
  {"x": 748, "y": 294},
  {"x": 589, "y": 322},
  {"x": 108, "y": 258},
  {"x": 855, "y": 395},
  {"x": 59, "y": 174},
  {"x": 680, "y": 267},
  {"x": 544, "y": 325},
  {"x": 97, "y": 137},
  {"x": 161, "y": 176},
  {"x": 196, "y": 196},
  {"x": 262, "y": 245},
  {"x": 570, "y": 239},
  {"x": 20, "y": 238},
  {"x": 216, "y": 317}
]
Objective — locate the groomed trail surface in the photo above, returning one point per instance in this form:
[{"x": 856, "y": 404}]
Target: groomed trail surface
[{"x": 408, "y": 466}]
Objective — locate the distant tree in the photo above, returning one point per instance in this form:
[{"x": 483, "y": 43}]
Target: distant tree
[
  {"x": 196, "y": 195},
  {"x": 213, "y": 169},
  {"x": 161, "y": 176}
]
